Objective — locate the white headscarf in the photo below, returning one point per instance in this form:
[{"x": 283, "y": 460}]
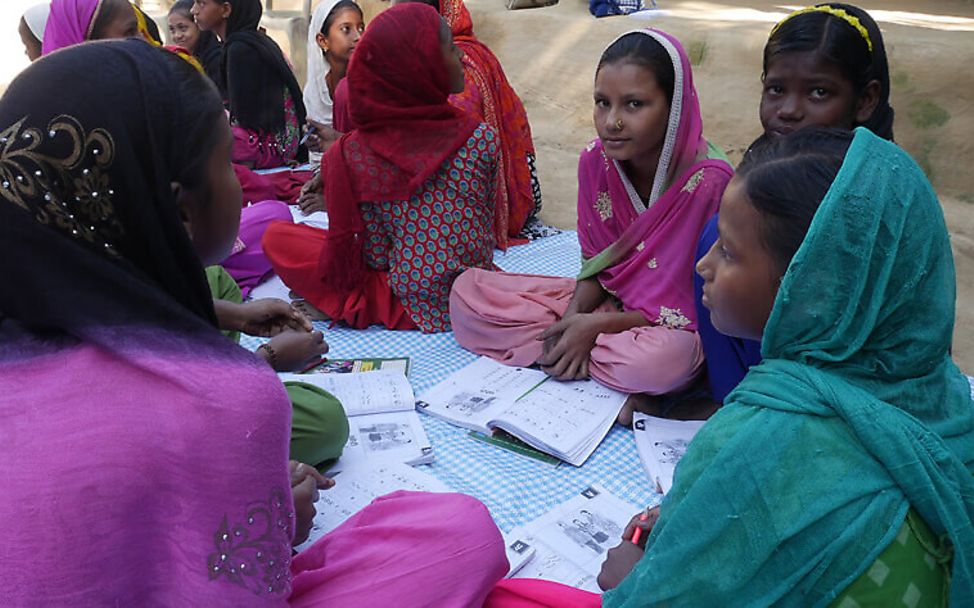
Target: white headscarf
[
  {"x": 36, "y": 19},
  {"x": 317, "y": 99}
]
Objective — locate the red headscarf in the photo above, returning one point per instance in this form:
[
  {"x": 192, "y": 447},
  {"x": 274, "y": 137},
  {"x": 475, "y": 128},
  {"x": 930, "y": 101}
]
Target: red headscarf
[
  {"x": 501, "y": 108},
  {"x": 405, "y": 129}
]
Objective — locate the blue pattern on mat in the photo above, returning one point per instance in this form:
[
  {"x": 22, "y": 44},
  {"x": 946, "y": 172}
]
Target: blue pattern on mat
[{"x": 516, "y": 489}]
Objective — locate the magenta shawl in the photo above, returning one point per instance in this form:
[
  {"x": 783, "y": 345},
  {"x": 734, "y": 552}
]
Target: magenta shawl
[
  {"x": 644, "y": 253},
  {"x": 70, "y": 23}
]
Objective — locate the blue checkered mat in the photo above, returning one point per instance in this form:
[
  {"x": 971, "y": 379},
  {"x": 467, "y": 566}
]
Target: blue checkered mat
[{"x": 516, "y": 489}]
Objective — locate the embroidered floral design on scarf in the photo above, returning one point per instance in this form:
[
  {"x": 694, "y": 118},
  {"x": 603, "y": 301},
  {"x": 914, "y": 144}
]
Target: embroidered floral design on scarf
[
  {"x": 691, "y": 186},
  {"x": 603, "y": 204},
  {"x": 77, "y": 197},
  {"x": 672, "y": 318},
  {"x": 256, "y": 554},
  {"x": 652, "y": 264}
]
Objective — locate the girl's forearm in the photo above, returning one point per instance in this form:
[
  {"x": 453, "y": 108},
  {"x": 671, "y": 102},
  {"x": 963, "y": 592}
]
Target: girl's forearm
[{"x": 589, "y": 294}]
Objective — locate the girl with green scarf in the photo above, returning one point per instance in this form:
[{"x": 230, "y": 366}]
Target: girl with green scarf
[{"x": 839, "y": 472}]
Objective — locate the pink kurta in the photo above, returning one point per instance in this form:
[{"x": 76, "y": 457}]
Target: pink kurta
[{"x": 641, "y": 252}]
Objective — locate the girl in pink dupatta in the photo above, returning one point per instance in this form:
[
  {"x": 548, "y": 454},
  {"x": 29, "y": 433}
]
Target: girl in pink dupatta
[
  {"x": 646, "y": 188},
  {"x": 145, "y": 456}
]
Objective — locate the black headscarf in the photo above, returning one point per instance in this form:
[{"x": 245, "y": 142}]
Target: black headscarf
[
  {"x": 92, "y": 245},
  {"x": 255, "y": 72},
  {"x": 209, "y": 52}
]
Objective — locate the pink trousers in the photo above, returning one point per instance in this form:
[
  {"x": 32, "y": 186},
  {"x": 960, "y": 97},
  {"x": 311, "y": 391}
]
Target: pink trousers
[
  {"x": 405, "y": 550},
  {"x": 500, "y": 315}
]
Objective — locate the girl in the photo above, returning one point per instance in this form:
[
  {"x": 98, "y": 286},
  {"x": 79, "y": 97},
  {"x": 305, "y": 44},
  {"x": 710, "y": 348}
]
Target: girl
[
  {"x": 839, "y": 472},
  {"x": 160, "y": 430},
  {"x": 409, "y": 191},
  {"x": 488, "y": 95},
  {"x": 646, "y": 187},
  {"x": 75, "y": 21},
  {"x": 184, "y": 32},
  {"x": 336, "y": 27},
  {"x": 823, "y": 65},
  {"x": 262, "y": 96},
  {"x": 31, "y": 29}
]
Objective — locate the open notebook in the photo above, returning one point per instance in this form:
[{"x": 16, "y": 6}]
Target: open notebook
[
  {"x": 382, "y": 420},
  {"x": 564, "y": 419},
  {"x": 661, "y": 444},
  {"x": 357, "y": 486},
  {"x": 570, "y": 542}
]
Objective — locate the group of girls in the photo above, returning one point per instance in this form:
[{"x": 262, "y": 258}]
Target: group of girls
[{"x": 838, "y": 470}]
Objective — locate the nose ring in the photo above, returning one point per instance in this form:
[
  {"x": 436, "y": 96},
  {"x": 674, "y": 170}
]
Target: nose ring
[{"x": 619, "y": 124}]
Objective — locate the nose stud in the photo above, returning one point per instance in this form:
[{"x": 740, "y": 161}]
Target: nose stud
[{"x": 619, "y": 124}]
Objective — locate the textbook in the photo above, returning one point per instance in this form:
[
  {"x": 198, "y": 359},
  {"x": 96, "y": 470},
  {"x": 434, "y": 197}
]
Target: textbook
[
  {"x": 377, "y": 392},
  {"x": 357, "y": 486},
  {"x": 565, "y": 419},
  {"x": 351, "y": 366},
  {"x": 394, "y": 437},
  {"x": 382, "y": 420},
  {"x": 661, "y": 444},
  {"x": 571, "y": 541}
]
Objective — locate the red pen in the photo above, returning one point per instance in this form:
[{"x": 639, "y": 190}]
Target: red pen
[
  {"x": 639, "y": 531},
  {"x": 314, "y": 365}
]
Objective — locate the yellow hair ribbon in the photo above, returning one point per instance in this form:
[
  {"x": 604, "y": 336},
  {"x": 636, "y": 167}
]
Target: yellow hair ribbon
[{"x": 838, "y": 12}]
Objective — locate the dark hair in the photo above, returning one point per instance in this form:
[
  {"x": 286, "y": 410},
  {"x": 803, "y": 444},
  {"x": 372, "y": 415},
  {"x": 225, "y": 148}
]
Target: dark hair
[
  {"x": 835, "y": 40},
  {"x": 183, "y": 7},
  {"x": 330, "y": 19},
  {"x": 201, "y": 117},
  {"x": 640, "y": 49},
  {"x": 786, "y": 178},
  {"x": 108, "y": 10}
]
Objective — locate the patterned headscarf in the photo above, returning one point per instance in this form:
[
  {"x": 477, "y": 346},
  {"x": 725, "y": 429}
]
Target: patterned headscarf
[{"x": 89, "y": 229}]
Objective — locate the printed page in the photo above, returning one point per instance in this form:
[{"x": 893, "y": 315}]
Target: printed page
[
  {"x": 570, "y": 542},
  {"x": 661, "y": 444},
  {"x": 356, "y": 487},
  {"x": 351, "y": 366},
  {"x": 473, "y": 396},
  {"x": 564, "y": 416},
  {"x": 361, "y": 394},
  {"x": 394, "y": 437}
]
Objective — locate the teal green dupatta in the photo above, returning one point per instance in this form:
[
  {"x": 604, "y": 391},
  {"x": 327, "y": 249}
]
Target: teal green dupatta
[{"x": 856, "y": 414}]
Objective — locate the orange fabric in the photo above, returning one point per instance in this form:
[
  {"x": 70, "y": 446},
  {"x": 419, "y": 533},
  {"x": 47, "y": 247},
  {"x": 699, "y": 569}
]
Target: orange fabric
[
  {"x": 501, "y": 108},
  {"x": 293, "y": 251}
]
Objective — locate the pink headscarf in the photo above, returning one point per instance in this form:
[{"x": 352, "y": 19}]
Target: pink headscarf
[
  {"x": 70, "y": 23},
  {"x": 644, "y": 253}
]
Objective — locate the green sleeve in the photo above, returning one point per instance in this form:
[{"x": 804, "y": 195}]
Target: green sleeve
[{"x": 913, "y": 571}]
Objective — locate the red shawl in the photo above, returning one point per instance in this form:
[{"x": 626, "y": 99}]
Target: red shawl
[
  {"x": 405, "y": 129},
  {"x": 501, "y": 108}
]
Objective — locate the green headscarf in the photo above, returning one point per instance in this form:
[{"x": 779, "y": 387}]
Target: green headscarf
[{"x": 856, "y": 414}]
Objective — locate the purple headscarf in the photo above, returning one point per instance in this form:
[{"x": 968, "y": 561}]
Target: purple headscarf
[{"x": 70, "y": 23}]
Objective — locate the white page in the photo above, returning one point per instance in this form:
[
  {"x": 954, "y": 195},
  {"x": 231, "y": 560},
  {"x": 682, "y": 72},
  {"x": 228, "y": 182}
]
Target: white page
[
  {"x": 661, "y": 444},
  {"x": 373, "y": 393},
  {"x": 572, "y": 540},
  {"x": 565, "y": 416},
  {"x": 273, "y": 287},
  {"x": 519, "y": 553},
  {"x": 315, "y": 219},
  {"x": 471, "y": 397},
  {"x": 393, "y": 437},
  {"x": 356, "y": 487}
]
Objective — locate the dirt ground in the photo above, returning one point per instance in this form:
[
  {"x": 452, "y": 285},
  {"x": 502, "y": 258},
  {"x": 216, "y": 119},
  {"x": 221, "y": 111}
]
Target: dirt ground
[{"x": 550, "y": 53}]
